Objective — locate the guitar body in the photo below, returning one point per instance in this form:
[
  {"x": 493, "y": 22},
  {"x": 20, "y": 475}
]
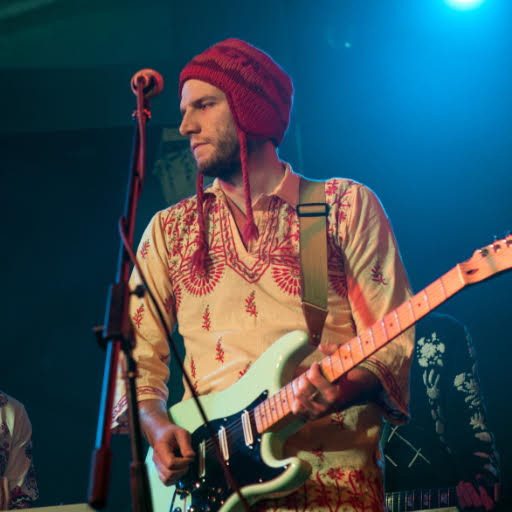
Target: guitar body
[{"x": 259, "y": 468}]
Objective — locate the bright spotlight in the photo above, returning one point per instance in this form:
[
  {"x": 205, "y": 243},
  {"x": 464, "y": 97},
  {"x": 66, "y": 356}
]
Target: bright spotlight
[{"x": 464, "y": 5}]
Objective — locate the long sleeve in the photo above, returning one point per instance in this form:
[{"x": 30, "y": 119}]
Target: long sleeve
[
  {"x": 448, "y": 438},
  {"x": 151, "y": 350},
  {"x": 462, "y": 409},
  {"x": 377, "y": 283}
]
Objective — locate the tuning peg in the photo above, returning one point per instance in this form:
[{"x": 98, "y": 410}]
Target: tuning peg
[{"x": 508, "y": 236}]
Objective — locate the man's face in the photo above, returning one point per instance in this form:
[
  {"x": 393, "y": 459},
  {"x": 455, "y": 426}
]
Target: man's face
[{"x": 207, "y": 121}]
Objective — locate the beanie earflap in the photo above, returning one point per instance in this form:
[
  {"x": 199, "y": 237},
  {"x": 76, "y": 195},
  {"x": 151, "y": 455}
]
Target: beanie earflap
[
  {"x": 250, "y": 231},
  {"x": 201, "y": 253}
]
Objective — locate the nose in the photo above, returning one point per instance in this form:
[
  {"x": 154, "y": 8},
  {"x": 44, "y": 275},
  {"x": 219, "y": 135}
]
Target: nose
[{"x": 189, "y": 124}]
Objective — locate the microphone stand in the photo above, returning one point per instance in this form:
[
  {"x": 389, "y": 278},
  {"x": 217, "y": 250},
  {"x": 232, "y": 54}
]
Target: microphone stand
[{"x": 115, "y": 336}]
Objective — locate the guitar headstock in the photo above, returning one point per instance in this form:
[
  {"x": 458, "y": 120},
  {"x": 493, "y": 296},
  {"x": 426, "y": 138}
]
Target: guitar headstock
[{"x": 488, "y": 260}]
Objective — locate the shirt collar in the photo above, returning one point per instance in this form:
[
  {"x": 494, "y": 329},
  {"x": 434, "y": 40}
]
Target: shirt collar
[{"x": 287, "y": 190}]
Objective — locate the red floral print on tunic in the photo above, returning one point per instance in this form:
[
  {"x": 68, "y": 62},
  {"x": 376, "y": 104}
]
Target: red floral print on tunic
[
  {"x": 250, "y": 304},
  {"x": 206, "y": 319},
  {"x": 332, "y": 490},
  {"x": 338, "y": 419},
  {"x": 337, "y": 276},
  {"x": 377, "y": 275},
  {"x": 177, "y": 297},
  {"x": 338, "y": 281},
  {"x": 287, "y": 278},
  {"x": 192, "y": 368},
  {"x": 193, "y": 373},
  {"x": 241, "y": 373},
  {"x": 335, "y": 473},
  {"x": 138, "y": 316},
  {"x": 220, "y": 351},
  {"x": 203, "y": 284},
  {"x": 331, "y": 187},
  {"x": 319, "y": 453},
  {"x": 144, "y": 249}
]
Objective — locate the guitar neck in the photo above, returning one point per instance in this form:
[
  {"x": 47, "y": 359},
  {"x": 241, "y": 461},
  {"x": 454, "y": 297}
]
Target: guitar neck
[
  {"x": 422, "y": 499},
  {"x": 278, "y": 406}
]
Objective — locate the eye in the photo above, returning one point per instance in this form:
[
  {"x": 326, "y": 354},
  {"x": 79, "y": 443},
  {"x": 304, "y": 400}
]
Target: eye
[{"x": 207, "y": 104}]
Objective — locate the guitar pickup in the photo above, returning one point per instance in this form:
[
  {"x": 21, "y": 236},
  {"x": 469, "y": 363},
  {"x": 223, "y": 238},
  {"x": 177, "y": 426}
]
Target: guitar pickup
[
  {"x": 223, "y": 441},
  {"x": 246, "y": 425},
  {"x": 202, "y": 459}
]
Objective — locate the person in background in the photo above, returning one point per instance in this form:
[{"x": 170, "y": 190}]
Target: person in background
[
  {"x": 447, "y": 444},
  {"x": 18, "y": 486}
]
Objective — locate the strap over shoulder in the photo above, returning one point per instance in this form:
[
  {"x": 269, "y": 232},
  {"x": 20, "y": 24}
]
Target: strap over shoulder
[{"x": 312, "y": 211}]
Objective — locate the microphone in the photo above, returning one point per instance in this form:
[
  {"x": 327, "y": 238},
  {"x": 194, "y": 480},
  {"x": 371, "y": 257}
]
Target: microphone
[{"x": 151, "y": 81}]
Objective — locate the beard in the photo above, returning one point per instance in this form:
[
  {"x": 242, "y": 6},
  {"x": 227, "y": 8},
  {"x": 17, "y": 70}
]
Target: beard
[{"x": 225, "y": 161}]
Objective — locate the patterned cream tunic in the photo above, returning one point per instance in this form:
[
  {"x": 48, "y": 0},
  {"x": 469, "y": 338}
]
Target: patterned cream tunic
[{"x": 251, "y": 296}]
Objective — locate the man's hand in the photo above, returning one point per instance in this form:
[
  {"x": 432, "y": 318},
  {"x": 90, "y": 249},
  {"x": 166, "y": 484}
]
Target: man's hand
[
  {"x": 172, "y": 448},
  {"x": 317, "y": 397},
  {"x": 470, "y": 499}
]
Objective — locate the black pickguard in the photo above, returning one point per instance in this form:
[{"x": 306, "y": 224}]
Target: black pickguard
[{"x": 208, "y": 493}]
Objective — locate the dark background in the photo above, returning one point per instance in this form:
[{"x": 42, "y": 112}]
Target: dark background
[{"x": 413, "y": 98}]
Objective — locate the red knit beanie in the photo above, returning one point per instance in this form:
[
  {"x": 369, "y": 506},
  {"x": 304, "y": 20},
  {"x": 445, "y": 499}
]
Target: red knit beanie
[{"x": 259, "y": 94}]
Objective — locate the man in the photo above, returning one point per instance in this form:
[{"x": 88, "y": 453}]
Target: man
[
  {"x": 225, "y": 267},
  {"x": 18, "y": 487},
  {"x": 447, "y": 444}
]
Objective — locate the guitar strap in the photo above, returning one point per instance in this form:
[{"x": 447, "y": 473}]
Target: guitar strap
[{"x": 312, "y": 211}]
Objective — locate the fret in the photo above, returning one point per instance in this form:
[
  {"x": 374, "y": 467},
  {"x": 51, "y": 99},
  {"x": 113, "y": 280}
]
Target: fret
[
  {"x": 293, "y": 383},
  {"x": 361, "y": 344},
  {"x": 273, "y": 409},
  {"x": 338, "y": 353},
  {"x": 278, "y": 405},
  {"x": 442, "y": 288},
  {"x": 436, "y": 294},
  {"x": 454, "y": 281},
  {"x": 333, "y": 375},
  {"x": 268, "y": 412},
  {"x": 263, "y": 416},
  {"x": 426, "y": 298},
  {"x": 284, "y": 400},
  {"x": 397, "y": 320},
  {"x": 379, "y": 333},
  {"x": 349, "y": 349},
  {"x": 289, "y": 394},
  {"x": 257, "y": 419},
  {"x": 373, "y": 339},
  {"x": 412, "y": 310},
  {"x": 356, "y": 350},
  {"x": 349, "y": 363},
  {"x": 420, "y": 305},
  {"x": 384, "y": 329}
]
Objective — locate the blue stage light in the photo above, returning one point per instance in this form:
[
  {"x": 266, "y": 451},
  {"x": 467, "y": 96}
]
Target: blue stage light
[{"x": 464, "y": 5}]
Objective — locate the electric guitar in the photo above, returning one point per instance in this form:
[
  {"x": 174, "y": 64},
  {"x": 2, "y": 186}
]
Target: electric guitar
[
  {"x": 420, "y": 500},
  {"x": 253, "y": 417}
]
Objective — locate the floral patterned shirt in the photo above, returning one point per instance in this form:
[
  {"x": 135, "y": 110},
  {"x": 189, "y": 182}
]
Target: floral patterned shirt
[
  {"x": 251, "y": 296},
  {"x": 18, "y": 488},
  {"x": 448, "y": 438}
]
